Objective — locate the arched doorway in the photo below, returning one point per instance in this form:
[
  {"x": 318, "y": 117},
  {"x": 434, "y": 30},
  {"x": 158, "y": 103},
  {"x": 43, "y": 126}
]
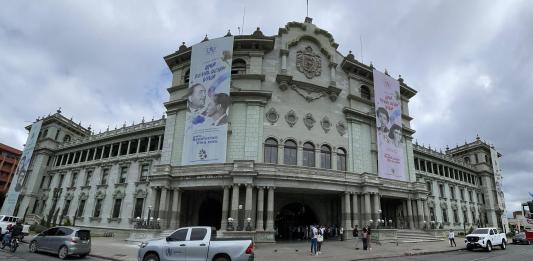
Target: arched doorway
[
  {"x": 292, "y": 219},
  {"x": 210, "y": 213}
]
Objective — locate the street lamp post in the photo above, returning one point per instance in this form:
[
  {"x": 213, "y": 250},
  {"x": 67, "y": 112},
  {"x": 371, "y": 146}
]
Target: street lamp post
[
  {"x": 230, "y": 224},
  {"x": 248, "y": 227}
]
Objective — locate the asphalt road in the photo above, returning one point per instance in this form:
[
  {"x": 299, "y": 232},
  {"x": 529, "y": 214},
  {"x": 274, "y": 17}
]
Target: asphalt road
[
  {"x": 24, "y": 254},
  {"x": 512, "y": 253}
]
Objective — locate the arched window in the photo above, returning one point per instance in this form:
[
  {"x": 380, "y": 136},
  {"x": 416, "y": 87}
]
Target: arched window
[
  {"x": 467, "y": 159},
  {"x": 341, "y": 159},
  {"x": 66, "y": 138},
  {"x": 290, "y": 153},
  {"x": 238, "y": 67},
  {"x": 186, "y": 76},
  {"x": 325, "y": 157},
  {"x": 271, "y": 151},
  {"x": 309, "y": 155},
  {"x": 365, "y": 92}
]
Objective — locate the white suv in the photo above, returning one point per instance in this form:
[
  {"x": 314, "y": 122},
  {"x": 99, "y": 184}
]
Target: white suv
[
  {"x": 6, "y": 220},
  {"x": 485, "y": 238}
]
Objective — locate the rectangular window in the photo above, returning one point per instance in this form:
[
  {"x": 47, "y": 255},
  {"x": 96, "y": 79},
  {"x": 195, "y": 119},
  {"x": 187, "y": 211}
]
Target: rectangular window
[
  {"x": 58, "y": 160},
  {"x": 99, "y": 152},
  {"x": 441, "y": 190},
  {"x": 114, "y": 150},
  {"x": 88, "y": 176},
  {"x": 145, "y": 171},
  {"x": 61, "y": 177},
  {"x": 73, "y": 180},
  {"x": 83, "y": 156},
  {"x": 133, "y": 146},
  {"x": 444, "y": 215},
  {"x": 97, "y": 208},
  {"x": 66, "y": 208},
  {"x": 70, "y": 158},
  {"x": 50, "y": 181},
  {"x": 116, "y": 208},
  {"x": 470, "y": 196},
  {"x": 137, "y": 213},
  {"x": 123, "y": 174},
  {"x": 428, "y": 186},
  {"x": 105, "y": 174},
  {"x": 123, "y": 148},
  {"x": 483, "y": 198},
  {"x": 81, "y": 207},
  {"x": 455, "y": 216},
  {"x": 416, "y": 163},
  {"x": 154, "y": 143},
  {"x": 106, "y": 150},
  {"x": 91, "y": 154},
  {"x": 432, "y": 214},
  {"x": 423, "y": 165},
  {"x": 462, "y": 194},
  {"x": 76, "y": 157},
  {"x": 452, "y": 191},
  {"x": 270, "y": 151},
  {"x": 42, "y": 182}
]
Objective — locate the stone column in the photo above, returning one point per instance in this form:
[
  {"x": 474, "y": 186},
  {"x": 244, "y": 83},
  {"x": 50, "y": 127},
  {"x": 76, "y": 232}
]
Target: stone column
[
  {"x": 260, "y": 207},
  {"x": 377, "y": 208},
  {"x": 270, "y": 210},
  {"x": 148, "y": 146},
  {"x": 119, "y": 148},
  {"x": 355, "y": 210},
  {"x": 280, "y": 153},
  {"x": 420, "y": 211},
  {"x": 235, "y": 205},
  {"x": 410, "y": 214},
  {"x": 176, "y": 197},
  {"x": 426, "y": 211},
  {"x": 162, "y": 206},
  {"x": 152, "y": 202},
  {"x": 128, "y": 149},
  {"x": 225, "y": 204},
  {"x": 138, "y": 145},
  {"x": 248, "y": 206},
  {"x": 159, "y": 142},
  {"x": 366, "y": 214},
  {"x": 347, "y": 211}
]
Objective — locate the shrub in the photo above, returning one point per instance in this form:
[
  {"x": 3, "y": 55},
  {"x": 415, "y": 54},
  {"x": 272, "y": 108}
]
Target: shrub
[
  {"x": 470, "y": 230},
  {"x": 67, "y": 222},
  {"x": 37, "y": 228}
]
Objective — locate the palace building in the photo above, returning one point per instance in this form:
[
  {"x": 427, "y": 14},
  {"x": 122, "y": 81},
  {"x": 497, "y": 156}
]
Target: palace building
[{"x": 301, "y": 149}]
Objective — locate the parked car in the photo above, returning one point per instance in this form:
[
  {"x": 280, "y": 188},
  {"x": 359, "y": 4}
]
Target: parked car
[
  {"x": 485, "y": 238},
  {"x": 196, "y": 243},
  {"x": 520, "y": 238},
  {"x": 6, "y": 220},
  {"x": 63, "y": 241}
]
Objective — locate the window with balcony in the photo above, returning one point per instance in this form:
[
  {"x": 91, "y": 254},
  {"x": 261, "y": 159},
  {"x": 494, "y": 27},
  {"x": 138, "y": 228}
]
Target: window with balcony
[
  {"x": 271, "y": 151},
  {"x": 123, "y": 174},
  {"x": 365, "y": 92},
  {"x": 290, "y": 153},
  {"x": 73, "y": 180},
  {"x": 441, "y": 190},
  {"x": 238, "y": 67},
  {"x": 138, "y": 211},
  {"x": 116, "y": 208},
  {"x": 308, "y": 154},
  {"x": 97, "y": 208},
  {"x": 88, "y": 176},
  {"x": 105, "y": 174},
  {"x": 325, "y": 157},
  {"x": 81, "y": 208},
  {"x": 341, "y": 159},
  {"x": 145, "y": 171}
]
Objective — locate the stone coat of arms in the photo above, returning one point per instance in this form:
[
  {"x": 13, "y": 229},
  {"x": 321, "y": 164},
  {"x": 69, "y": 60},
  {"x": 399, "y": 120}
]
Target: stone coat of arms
[{"x": 308, "y": 63}]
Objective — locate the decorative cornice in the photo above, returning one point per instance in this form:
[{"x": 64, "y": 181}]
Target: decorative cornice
[{"x": 308, "y": 91}]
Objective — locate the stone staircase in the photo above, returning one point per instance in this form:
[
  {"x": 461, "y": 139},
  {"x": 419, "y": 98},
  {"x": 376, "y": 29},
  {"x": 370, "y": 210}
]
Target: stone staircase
[{"x": 415, "y": 236}]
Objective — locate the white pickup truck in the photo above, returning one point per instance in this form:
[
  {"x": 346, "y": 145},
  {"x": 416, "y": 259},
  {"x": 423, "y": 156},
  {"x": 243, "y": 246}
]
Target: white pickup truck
[
  {"x": 196, "y": 243},
  {"x": 6, "y": 220},
  {"x": 485, "y": 238}
]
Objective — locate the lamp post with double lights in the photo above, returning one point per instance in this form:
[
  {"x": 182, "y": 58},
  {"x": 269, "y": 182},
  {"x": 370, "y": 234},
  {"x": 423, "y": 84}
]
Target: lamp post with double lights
[{"x": 230, "y": 224}]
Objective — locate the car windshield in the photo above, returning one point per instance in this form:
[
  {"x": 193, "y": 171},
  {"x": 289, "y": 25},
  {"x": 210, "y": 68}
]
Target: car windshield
[{"x": 481, "y": 231}]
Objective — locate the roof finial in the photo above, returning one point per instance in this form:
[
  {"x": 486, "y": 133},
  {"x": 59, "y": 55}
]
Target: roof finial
[
  {"x": 205, "y": 39},
  {"x": 386, "y": 72},
  {"x": 58, "y": 110},
  {"x": 228, "y": 34}
]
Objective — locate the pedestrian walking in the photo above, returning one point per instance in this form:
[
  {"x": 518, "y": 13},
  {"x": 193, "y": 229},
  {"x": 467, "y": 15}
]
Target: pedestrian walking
[
  {"x": 355, "y": 235},
  {"x": 320, "y": 240},
  {"x": 364, "y": 238},
  {"x": 451, "y": 237},
  {"x": 313, "y": 236}
]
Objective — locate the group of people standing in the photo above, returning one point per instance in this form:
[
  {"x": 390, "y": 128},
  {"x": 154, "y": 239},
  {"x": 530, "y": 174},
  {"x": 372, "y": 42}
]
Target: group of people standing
[{"x": 317, "y": 238}]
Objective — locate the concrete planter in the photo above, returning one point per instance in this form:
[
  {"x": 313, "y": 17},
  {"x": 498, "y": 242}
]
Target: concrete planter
[
  {"x": 140, "y": 235},
  {"x": 384, "y": 235},
  {"x": 439, "y": 233}
]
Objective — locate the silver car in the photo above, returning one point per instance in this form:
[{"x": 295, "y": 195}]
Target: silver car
[{"x": 63, "y": 241}]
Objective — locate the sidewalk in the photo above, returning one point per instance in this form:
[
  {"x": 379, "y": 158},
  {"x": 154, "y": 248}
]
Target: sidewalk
[
  {"x": 118, "y": 249},
  {"x": 345, "y": 250}
]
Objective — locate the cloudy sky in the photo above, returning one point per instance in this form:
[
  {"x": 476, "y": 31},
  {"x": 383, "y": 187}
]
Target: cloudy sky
[{"x": 102, "y": 62}]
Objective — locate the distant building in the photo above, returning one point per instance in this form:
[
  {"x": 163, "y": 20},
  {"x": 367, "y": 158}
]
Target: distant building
[
  {"x": 301, "y": 150},
  {"x": 9, "y": 158}
]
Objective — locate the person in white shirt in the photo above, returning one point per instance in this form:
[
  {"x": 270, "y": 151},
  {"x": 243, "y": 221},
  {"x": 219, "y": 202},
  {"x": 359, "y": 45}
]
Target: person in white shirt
[
  {"x": 313, "y": 236},
  {"x": 451, "y": 237}
]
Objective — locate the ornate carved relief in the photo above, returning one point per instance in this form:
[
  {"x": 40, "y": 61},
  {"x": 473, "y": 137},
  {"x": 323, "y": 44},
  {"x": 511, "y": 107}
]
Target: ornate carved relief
[
  {"x": 308, "y": 63},
  {"x": 443, "y": 204},
  {"x": 84, "y": 196},
  {"x": 291, "y": 118},
  {"x": 272, "y": 116},
  {"x": 309, "y": 121},
  {"x": 140, "y": 193},
  {"x": 118, "y": 194},
  {"x": 341, "y": 128},
  {"x": 69, "y": 196},
  {"x": 100, "y": 194},
  {"x": 326, "y": 124}
]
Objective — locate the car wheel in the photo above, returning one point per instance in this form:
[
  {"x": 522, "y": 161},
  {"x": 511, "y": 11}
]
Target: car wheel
[
  {"x": 469, "y": 247},
  {"x": 503, "y": 246},
  {"x": 33, "y": 246},
  {"x": 63, "y": 252},
  {"x": 489, "y": 246},
  {"x": 151, "y": 257},
  {"x": 221, "y": 258}
]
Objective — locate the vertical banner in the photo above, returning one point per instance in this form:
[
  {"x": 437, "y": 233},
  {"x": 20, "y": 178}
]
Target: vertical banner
[
  {"x": 20, "y": 173},
  {"x": 391, "y": 147},
  {"x": 208, "y": 101}
]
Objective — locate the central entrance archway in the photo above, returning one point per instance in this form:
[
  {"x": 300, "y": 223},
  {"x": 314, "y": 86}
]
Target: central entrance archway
[
  {"x": 292, "y": 220},
  {"x": 210, "y": 213}
]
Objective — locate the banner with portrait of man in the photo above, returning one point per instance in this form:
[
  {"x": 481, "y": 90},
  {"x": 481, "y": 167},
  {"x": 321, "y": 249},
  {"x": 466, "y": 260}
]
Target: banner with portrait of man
[
  {"x": 208, "y": 102},
  {"x": 22, "y": 171},
  {"x": 391, "y": 147}
]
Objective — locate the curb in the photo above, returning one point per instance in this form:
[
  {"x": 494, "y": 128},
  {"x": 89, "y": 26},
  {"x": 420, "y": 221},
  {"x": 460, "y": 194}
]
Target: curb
[{"x": 411, "y": 254}]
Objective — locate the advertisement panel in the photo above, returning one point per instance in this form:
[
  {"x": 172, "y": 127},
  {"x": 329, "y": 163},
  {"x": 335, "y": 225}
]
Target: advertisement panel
[
  {"x": 208, "y": 101},
  {"x": 391, "y": 147},
  {"x": 20, "y": 173}
]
